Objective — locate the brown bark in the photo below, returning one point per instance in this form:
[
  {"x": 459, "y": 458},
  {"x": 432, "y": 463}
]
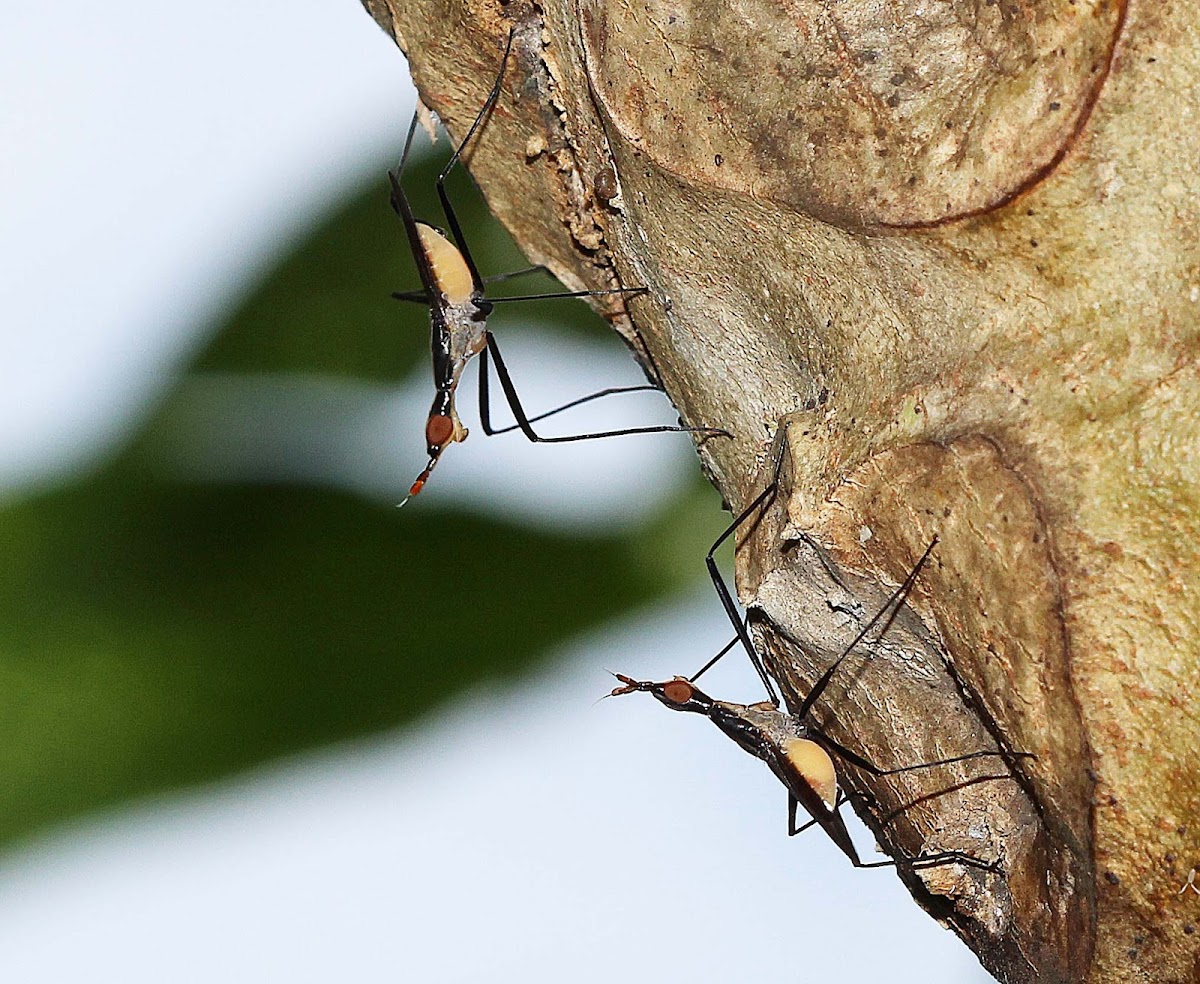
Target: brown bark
[{"x": 948, "y": 253}]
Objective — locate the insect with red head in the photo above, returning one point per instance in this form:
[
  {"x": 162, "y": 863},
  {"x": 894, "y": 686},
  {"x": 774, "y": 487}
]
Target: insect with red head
[
  {"x": 799, "y": 753},
  {"x": 455, "y": 293}
]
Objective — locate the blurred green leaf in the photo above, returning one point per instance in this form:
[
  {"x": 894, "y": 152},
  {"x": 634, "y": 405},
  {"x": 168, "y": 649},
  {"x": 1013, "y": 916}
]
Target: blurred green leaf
[
  {"x": 161, "y": 633},
  {"x": 166, "y": 634}
]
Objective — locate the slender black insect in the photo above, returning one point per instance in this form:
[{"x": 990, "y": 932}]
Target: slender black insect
[
  {"x": 797, "y": 751},
  {"x": 454, "y": 292},
  {"x": 800, "y": 757}
]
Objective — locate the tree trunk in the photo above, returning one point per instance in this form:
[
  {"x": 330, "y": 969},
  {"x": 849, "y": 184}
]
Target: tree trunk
[{"x": 942, "y": 256}]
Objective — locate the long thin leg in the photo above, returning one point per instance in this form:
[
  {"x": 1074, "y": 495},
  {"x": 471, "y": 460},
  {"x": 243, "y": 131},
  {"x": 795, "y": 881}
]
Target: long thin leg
[
  {"x": 713, "y": 662},
  {"x": 894, "y": 603},
  {"x": 559, "y": 295},
  {"x": 867, "y": 766},
  {"x": 420, "y": 297},
  {"x": 488, "y": 429},
  {"x": 919, "y": 862},
  {"x": 886, "y": 818},
  {"x": 855, "y": 759},
  {"x": 793, "y": 830},
  {"x": 722, "y": 589},
  {"x": 499, "y": 278},
  {"x": 933, "y": 860},
  {"x": 402, "y": 207},
  {"x": 416, "y": 296},
  {"x": 524, "y": 422},
  {"x": 447, "y": 208}
]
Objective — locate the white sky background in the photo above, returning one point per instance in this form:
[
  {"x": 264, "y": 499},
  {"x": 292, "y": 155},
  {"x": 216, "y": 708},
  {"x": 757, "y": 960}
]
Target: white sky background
[{"x": 154, "y": 159}]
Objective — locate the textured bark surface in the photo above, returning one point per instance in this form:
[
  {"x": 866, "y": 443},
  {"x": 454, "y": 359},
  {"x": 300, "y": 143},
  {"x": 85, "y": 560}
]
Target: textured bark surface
[{"x": 943, "y": 256}]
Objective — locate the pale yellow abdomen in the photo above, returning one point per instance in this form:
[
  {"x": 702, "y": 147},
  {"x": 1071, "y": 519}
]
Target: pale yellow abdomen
[
  {"x": 814, "y": 764},
  {"x": 451, "y": 275}
]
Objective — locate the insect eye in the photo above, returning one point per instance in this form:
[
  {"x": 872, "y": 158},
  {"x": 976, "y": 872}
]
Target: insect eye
[
  {"x": 678, "y": 691},
  {"x": 438, "y": 429}
]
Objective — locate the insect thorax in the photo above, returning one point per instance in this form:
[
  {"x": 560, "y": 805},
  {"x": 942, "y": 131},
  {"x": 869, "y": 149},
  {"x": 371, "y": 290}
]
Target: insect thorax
[{"x": 466, "y": 334}]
